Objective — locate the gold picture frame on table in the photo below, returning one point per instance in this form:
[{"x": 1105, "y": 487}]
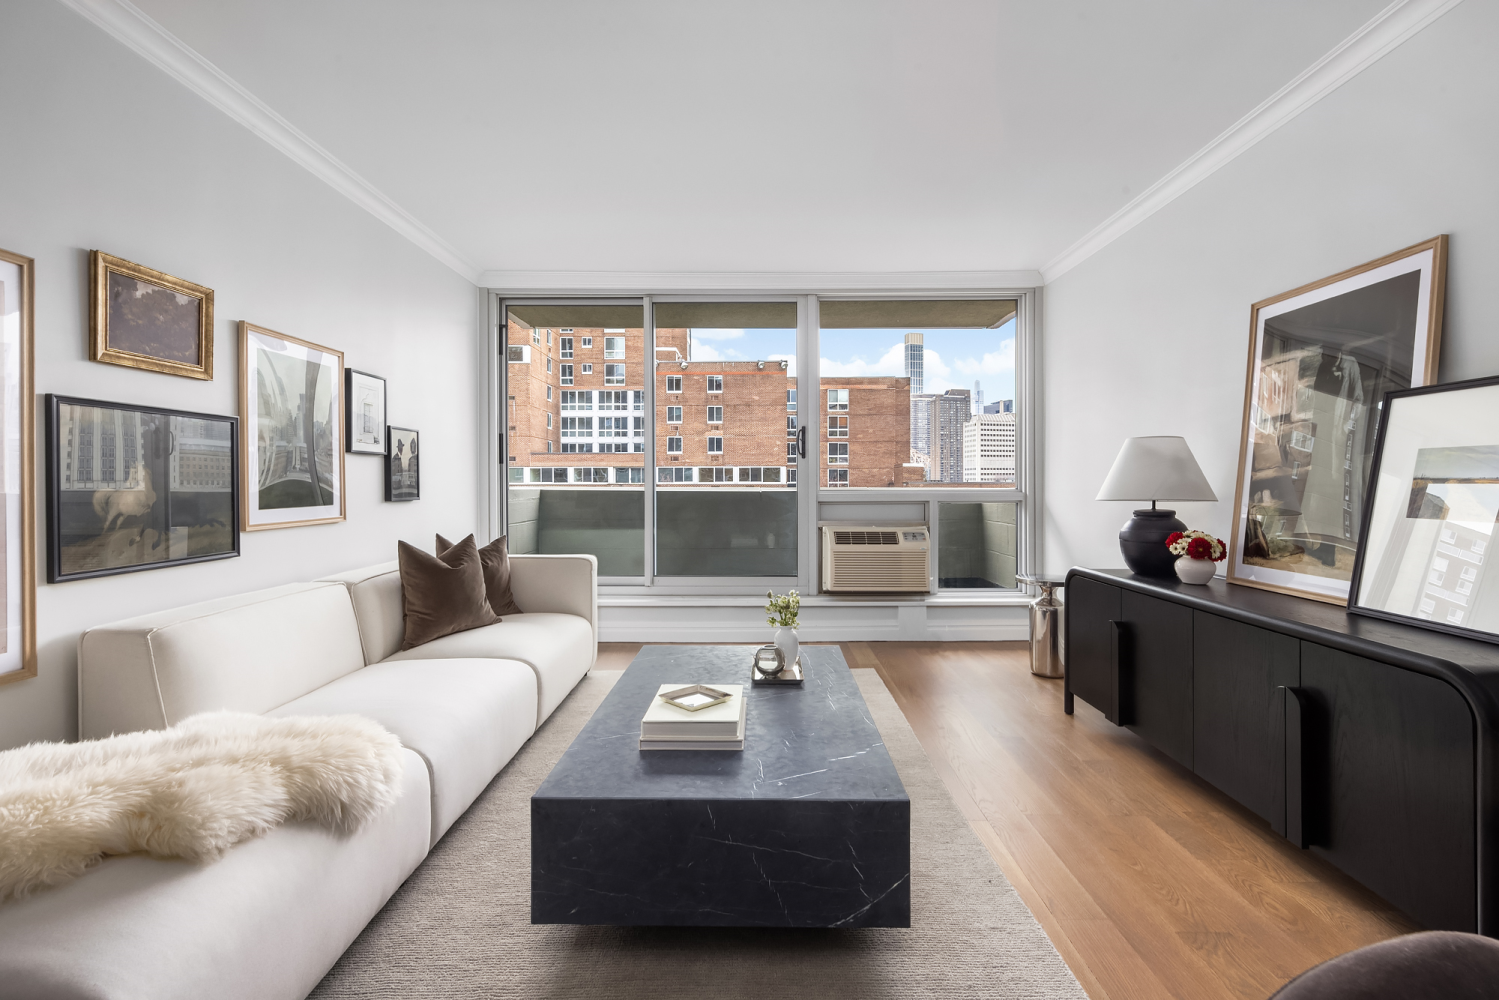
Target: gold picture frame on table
[
  {"x": 143, "y": 318},
  {"x": 1321, "y": 358},
  {"x": 17, "y": 468},
  {"x": 291, "y": 427}
]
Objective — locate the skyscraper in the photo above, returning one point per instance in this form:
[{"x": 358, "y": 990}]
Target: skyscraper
[
  {"x": 978, "y": 398},
  {"x": 950, "y": 411},
  {"x": 916, "y": 363}
]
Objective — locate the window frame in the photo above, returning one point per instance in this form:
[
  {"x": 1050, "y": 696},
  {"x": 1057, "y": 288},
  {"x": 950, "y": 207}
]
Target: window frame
[
  {"x": 715, "y": 416},
  {"x": 670, "y": 418},
  {"x": 712, "y": 438},
  {"x": 710, "y": 381},
  {"x": 673, "y": 384}
]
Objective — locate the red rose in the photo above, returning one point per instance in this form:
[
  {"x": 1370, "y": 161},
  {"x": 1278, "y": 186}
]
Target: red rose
[
  {"x": 1222, "y": 551},
  {"x": 1173, "y": 538},
  {"x": 1200, "y": 548}
]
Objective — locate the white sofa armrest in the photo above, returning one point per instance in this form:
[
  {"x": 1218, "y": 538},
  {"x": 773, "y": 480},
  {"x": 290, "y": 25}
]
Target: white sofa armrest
[{"x": 559, "y": 584}]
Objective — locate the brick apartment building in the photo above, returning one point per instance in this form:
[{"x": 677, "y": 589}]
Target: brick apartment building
[{"x": 575, "y": 413}]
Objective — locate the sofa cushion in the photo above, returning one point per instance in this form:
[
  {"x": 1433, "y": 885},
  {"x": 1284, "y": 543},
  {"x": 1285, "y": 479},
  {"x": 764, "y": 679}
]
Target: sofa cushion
[
  {"x": 496, "y": 563},
  {"x": 559, "y": 648},
  {"x": 265, "y": 922},
  {"x": 466, "y": 717},
  {"x": 375, "y": 592},
  {"x": 247, "y": 653},
  {"x": 442, "y": 594}
]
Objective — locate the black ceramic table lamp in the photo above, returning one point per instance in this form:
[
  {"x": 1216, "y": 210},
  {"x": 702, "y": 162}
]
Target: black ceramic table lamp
[{"x": 1153, "y": 468}]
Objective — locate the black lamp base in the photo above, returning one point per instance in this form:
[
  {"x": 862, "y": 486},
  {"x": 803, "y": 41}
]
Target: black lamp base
[{"x": 1142, "y": 540}]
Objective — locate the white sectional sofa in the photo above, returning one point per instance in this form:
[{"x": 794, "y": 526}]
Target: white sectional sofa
[{"x": 271, "y": 917}]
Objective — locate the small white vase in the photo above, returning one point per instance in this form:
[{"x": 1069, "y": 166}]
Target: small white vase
[
  {"x": 1198, "y": 571},
  {"x": 788, "y": 644}
]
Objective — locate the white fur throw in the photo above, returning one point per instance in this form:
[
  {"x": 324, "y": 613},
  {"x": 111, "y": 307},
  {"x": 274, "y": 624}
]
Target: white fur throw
[{"x": 192, "y": 791}]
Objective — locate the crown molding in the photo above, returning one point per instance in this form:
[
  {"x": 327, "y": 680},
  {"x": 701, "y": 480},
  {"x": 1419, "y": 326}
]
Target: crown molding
[
  {"x": 1385, "y": 32},
  {"x": 136, "y": 29},
  {"x": 768, "y": 282}
]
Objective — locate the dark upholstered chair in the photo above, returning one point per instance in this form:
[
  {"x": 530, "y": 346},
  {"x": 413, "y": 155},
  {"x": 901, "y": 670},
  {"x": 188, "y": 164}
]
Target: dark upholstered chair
[{"x": 1434, "y": 965}]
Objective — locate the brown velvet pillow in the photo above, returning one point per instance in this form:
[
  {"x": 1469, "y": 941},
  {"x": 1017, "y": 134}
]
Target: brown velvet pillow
[
  {"x": 496, "y": 574},
  {"x": 442, "y": 595}
]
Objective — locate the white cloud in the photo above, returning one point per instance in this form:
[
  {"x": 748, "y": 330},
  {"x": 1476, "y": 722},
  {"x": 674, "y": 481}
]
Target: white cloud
[
  {"x": 723, "y": 334},
  {"x": 892, "y": 362},
  {"x": 1000, "y": 362},
  {"x": 707, "y": 352}
]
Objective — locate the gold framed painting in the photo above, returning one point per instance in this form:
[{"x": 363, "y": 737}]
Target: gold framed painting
[
  {"x": 17, "y": 476},
  {"x": 291, "y": 420},
  {"x": 143, "y": 318},
  {"x": 1321, "y": 358}
]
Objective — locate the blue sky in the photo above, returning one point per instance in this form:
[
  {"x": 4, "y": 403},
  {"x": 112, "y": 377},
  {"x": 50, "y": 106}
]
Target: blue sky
[{"x": 954, "y": 358}]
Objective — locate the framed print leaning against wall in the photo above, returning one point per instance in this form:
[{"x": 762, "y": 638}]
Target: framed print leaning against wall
[
  {"x": 1321, "y": 358},
  {"x": 292, "y": 418},
  {"x": 1432, "y": 512},
  {"x": 17, "y": 483}
]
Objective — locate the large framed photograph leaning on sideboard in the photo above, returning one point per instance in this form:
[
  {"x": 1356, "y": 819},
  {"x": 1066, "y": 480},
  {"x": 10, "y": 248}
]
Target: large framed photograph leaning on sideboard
[
  {"x": 1432, "y": 512},
  {"x": 17, "y": 480},
  {"x": 137, "y": 487},
  {"x": 1321, "y": 357}
]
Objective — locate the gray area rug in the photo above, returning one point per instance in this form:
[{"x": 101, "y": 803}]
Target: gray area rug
[{"x": 460, "y": 926}]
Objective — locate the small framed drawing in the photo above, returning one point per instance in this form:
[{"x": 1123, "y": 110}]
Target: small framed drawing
[
  {"x": 1321, "y": 357},
  {"x": 403, "y": 469},
  {"x": 17, "y": 485},
  {"x": 364, "y": 412},
  {"x": 147, "y": 319},
  {"x": 137, "y": 487},
  {"x": 292, "y": 456},
  {"x": 1431, "y": 515}
]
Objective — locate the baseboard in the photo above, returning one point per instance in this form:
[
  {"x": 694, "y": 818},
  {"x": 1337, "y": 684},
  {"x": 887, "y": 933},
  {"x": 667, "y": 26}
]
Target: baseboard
[{"x": 867, "y": 623}]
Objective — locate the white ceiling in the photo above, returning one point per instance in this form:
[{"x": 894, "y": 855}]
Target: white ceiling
[{"x": 810, "y": 135}]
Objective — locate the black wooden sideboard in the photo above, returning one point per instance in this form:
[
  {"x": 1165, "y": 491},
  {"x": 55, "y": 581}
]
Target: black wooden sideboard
[{"x": 1368, "y": 742}]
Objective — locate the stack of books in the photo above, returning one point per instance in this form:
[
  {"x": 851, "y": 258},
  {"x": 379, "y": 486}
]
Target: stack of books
[{"x": 705, "y": 717}]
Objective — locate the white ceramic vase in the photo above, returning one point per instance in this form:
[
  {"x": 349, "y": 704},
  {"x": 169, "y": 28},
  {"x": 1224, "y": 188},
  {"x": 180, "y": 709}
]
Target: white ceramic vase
[
  {"x": 1198, "y": 571},
  {"x": 788, "y": 644}
]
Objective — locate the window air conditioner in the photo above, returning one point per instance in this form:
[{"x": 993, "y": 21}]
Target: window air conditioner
[{"x": 894, "y": 559}]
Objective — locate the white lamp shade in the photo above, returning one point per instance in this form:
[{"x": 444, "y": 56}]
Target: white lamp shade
[{"x": 1156, "y": 468}]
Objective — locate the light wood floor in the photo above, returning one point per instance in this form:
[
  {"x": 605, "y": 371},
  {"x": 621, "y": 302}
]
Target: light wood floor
[{"x": 1150, "y": 883}]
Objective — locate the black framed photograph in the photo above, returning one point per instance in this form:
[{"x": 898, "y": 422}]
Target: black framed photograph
[
  {"x": 1432, "y": 510},
  {"x": 364, "y": 413},
  {"x": 403, "y": 471},
  {"x": 137, "y": 487}
]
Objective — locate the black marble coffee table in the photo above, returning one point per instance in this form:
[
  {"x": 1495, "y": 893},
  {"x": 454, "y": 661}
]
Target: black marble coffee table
[{"x": 807, "y": 826}]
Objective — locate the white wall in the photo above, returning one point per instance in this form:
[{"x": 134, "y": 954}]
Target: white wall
[
  {"x": 1150, "y": 335},
  {"x": 100, "y": 150}
]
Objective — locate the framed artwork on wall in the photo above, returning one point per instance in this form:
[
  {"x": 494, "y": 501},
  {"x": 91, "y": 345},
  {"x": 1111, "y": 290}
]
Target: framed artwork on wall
[
  {"x": 1321, "y": 357},
  {"x": 17, "y": 485},
  {"x": 403, "y": 470},
  {"x": 137, "y": 487},
  {"x": 1432, "y": 512},
  {"x": 292, "y": 454},
  {"x": 142, "y": 318},
  {"x": 364, "y": 412}
]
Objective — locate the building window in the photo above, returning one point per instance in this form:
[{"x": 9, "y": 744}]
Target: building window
[
  {"x": 791, "y": 399},
  {"x": 549, "y": 338},
  {"x": 549, "y": 366},
  {"x": 587, "y": 341},
  {"x": 573, "y": 400},
  {"x": 638, "y": 426},
  {"x": 715, "y": 446},
  {"x": 638, "y": 397},
  {"x": 674, "y": 475},
  {"x": 614, "y": 427},
  {"x": 837, "y": 427},
  {"x": 536, "y": 337},
  {"x": 577, "y": 427},
  {"x": 714, "y": 474},
  {"x": 837, "y": 400},
  {"x": 837, "y": 477},
  {"x": 613, "y": 399},
  {"x": 614, "y": 347},
  {"x": 565, "y": 329},
  {"x": 674, "y": 414},
  {"x": 674, "y": 446},
  {"x": 673, "y": 383},
  {"x": 614, "y": 374},
  {"x": 549, "y": 394},
  {"x": 790, "y": 452},
  {"x": 715, "y": 383},
  {"x": 566, "y": 374},
  {"x": 790, "y": 477},
  {"x": 791, "y": 427},
  {"x": 549, "y": 447},
  {"x": 518, "y": 354},
  {"x": 549, "y": 421},
  {"x": 837, "y": 453},
  {"x": 715, "y": 414},
  {"x": 577, "y": 448},
  {"x": 565, "y": 344},
  {"x": 630, "y": 475},
  {"x": 588, "y": 369}
]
